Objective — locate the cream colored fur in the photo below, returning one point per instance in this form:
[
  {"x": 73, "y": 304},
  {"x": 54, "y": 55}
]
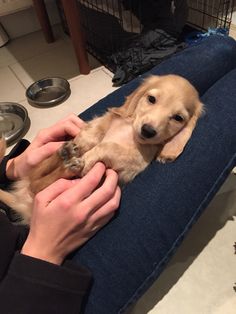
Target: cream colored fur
[{"x": 168, "y": 104}]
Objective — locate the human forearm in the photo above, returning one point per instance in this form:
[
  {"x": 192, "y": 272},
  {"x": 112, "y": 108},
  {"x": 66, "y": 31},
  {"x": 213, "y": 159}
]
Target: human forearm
[
  {"x": 41, "y": 252},
  {"x": 29, "y": 284},
  {"x": 5, "y": 176}
]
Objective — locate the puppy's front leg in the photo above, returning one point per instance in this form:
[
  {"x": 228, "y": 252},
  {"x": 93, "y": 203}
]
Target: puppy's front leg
[
  {"x": 66, "y": 162},
  {"x": 93, "y": 133},
  {"x": 126, "y": 162},
  {"x": 62, "y": 164}
]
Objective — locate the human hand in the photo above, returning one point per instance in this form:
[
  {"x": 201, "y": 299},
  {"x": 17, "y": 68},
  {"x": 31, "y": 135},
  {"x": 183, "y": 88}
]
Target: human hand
[
  {"x": 2, "y": 147},
  {"x": 44, "y": 145},
  {"x": 69, "y": 212}
]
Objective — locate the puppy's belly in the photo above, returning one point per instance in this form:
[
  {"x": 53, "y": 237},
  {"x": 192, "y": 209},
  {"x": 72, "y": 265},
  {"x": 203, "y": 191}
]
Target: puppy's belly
[{"x": 120, "y": 132}]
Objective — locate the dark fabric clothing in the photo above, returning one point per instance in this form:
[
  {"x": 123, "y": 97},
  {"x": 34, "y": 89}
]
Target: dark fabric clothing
[
  {"x": 127, "y": 53},
  {"x": 146, "y": 51},
  {"x": 159, "y": 39},
  {"x": 5, "y": 183},
  {"x": 30, "y": 285},
  {"x": 17, "y": 150}
]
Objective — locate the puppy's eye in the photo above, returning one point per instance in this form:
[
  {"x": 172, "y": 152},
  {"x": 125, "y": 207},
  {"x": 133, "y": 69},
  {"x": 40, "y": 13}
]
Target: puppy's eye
[
  {"x": 178, "y": 118},
  {"x": 151, "y": 99}
]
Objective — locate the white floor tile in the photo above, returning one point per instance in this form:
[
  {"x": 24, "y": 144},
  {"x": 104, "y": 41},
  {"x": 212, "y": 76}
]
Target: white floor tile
[
  {"x": 10, "y": 88},
  {"x": 53, "y": 63},
  {"x": 47, "y": 64},
  {"x": 108, "y": 72},
  {"x": 6, "y": 57},
  {"x": 31, "y": 58},
  {"x": 29, "y": 46},
  {"x": 85, "y": 91}
]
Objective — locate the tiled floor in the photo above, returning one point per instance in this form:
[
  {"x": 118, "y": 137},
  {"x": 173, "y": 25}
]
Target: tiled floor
[
  {"x": 200, "y": 277},
  {"x": 29, "y": 58}
]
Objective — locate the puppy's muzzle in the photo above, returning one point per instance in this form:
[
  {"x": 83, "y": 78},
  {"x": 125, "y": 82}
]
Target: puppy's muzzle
[{"x": 147, "y": 131}]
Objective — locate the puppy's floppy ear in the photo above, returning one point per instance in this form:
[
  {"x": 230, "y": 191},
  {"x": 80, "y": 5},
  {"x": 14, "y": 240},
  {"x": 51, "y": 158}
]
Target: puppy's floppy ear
[
  {"x": 175, "y": 146},
  {"x": 132, "y": 100},
  {"x": 2, "y": 147}
]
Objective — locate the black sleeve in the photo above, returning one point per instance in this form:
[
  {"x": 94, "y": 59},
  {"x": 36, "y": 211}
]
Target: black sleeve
[
  {"x": 35, "y": 286},
  {"x": 5, "y": 183},
  {"x": 30, "y": 285},
  {"x": 17, "y": 150}
]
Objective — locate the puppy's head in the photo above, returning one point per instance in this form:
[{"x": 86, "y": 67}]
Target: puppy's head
[{"x": 164, "y": 110}]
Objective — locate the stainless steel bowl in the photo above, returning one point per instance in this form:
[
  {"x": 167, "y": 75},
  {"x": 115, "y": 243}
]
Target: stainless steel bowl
[
  {"x": 14, "y": 121},
  {"x": 48, "y": 92}
]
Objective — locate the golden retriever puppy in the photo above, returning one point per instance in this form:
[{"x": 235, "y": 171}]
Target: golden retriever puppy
[{"x": 155, "y": 123}]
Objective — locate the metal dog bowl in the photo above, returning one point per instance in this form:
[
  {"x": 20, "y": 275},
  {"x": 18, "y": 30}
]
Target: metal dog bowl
[
  {"x": 48, "y": 92},
  {"x": 13, "y": 121}
]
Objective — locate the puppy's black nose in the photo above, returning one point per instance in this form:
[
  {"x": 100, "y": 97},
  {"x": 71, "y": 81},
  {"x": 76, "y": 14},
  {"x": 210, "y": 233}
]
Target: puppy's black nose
[{"x": 147, "y": 131}]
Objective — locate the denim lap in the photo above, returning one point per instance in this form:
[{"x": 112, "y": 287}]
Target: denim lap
[{"x": 163, "y": 202}]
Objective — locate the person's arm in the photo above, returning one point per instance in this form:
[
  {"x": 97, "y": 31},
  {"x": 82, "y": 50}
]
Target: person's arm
[
  {"x": 44, "y": 145},
  {"x": 36, "y": 278},
  {"x": 53, "y": 279},
  {"x": 28, "y": 284},
  {"x": 65, "y": 216},
  {"x": 18, "y": 149},
  {"x": 19, "y": 162}
]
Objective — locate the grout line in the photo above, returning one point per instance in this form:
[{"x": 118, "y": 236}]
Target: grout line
[
  {"x": 18, "y": 79},
  {"x": 110, "y": 74},
  {"x": 48, "y": 47},
  {"x": 37, "y": 55},
  {"x": 81, "y": 76}
]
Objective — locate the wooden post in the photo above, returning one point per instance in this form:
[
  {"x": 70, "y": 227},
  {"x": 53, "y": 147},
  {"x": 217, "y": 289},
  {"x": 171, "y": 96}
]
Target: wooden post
[
  {"x": 72, "y": 15},
  {"x": 44, "y": 21}
]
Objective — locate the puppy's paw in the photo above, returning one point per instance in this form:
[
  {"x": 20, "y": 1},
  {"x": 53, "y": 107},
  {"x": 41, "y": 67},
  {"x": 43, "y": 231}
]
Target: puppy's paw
[
  {"x": 165, "y": 159},
  {"x": 75, "y": 165},
  {"x": 70, "y": 156},
  {"x": 68, "y": 151},
  {"x": 87, "y": 167}
]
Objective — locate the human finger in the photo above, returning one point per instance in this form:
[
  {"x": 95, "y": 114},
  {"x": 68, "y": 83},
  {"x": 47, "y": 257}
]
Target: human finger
[
  {"x": 103, "y": 194},
  {"x": 56, "y": 132},
  {"x": 84, "y": 187},
  {"x": 51, "y": 192},
  {"x": 2, "y": 146},
  {"x": 100, "y": 224},
  {"x": 43, "y": 152},
  {"x": 75, "y": 119},
  {"x": 109, "y": 208}
]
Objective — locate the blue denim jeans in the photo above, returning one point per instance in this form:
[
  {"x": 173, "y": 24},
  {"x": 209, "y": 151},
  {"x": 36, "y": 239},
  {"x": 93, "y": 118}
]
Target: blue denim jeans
[{"x": 162, "y": 203}]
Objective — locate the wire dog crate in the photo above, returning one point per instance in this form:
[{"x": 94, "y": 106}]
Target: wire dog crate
[
  {"x": 117, "y": 31},
  {"x": 210, "y": 14}
]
